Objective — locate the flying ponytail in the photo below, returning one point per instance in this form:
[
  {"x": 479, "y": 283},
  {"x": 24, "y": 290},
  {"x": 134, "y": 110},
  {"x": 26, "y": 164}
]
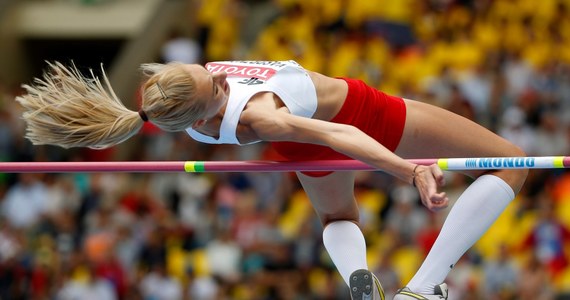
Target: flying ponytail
[{"x": 69, "y": 110}]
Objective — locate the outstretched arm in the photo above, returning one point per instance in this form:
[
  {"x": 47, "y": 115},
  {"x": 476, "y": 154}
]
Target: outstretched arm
[{"x": 276, "y": 125}]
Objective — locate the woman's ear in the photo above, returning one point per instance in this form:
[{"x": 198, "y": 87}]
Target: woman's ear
[{"x": 198, "y": 123}]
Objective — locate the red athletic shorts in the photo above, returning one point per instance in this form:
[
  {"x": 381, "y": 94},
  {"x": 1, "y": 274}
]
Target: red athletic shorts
[{"x": 377, "y": 114}]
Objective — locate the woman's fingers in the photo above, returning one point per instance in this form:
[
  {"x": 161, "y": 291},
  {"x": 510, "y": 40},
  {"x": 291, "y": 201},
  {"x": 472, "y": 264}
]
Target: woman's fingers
[
  {"x": 429, "y": 180},
  {"x": 438, "y": 175},
  {"x": 439, "y": 201}
]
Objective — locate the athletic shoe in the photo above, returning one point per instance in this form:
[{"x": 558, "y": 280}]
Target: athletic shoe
[
  {"x": 365, "y": 286},
  {"x": 440, "y": 293}
]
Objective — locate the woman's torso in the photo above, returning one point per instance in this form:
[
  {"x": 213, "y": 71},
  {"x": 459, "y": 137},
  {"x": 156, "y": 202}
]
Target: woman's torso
[{"x": 330, "y": 96}]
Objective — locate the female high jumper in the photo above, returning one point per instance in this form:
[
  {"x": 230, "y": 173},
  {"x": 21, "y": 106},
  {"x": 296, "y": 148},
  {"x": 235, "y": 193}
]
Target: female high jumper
[{"x": 306, "y": 116}]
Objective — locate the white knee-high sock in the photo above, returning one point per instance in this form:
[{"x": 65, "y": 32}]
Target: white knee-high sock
[
  {"x": 473, "y": 213},
  {"x": 346, "y": 246}
]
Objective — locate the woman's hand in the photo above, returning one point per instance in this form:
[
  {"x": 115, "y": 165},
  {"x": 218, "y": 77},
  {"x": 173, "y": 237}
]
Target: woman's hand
[{"x": 427, "y": 180}]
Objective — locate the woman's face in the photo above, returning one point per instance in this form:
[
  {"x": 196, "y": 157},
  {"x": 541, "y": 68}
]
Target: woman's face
[{"x": 211, "y": 87}]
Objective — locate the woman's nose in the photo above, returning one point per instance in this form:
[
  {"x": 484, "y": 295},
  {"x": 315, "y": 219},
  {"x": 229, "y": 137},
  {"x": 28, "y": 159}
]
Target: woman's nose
[{"x": 220, "y": 76}]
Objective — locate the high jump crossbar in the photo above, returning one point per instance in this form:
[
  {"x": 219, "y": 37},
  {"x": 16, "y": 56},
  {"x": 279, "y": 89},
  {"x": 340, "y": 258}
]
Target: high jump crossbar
[{"x": 450, "y": 164}]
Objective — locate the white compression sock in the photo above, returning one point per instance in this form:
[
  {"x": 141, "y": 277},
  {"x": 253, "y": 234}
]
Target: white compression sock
[
  {"x": 346, "y": 247},
  {"x": 473, "y": 213}
]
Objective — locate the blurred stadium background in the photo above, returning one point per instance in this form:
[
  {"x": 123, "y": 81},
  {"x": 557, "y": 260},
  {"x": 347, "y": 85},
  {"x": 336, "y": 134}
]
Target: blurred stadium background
[{"x": 502, "y": 63}]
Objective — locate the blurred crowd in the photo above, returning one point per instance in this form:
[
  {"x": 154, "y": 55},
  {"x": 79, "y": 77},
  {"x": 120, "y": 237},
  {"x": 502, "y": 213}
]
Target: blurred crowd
[{"x": 504, "y": 64}]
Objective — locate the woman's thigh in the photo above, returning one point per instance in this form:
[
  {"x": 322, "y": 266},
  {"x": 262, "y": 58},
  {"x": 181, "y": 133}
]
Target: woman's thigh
[
  {"x": 433, "y": 132},
  {"x": 332, "y": 196}
]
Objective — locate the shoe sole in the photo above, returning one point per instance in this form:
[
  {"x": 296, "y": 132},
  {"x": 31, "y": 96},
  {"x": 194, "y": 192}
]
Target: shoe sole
[
  {"x": 361, "y": 285},
  {"x": 441, "y": 292}
]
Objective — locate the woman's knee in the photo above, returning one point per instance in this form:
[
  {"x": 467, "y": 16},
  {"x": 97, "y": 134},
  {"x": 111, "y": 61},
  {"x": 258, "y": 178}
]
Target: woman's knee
[
  {"x": 514, "y": 177},
  {"x": 326, "y": 220},
  {"x": 339, "y": 212},
  {"x": 520, "y": 174}
]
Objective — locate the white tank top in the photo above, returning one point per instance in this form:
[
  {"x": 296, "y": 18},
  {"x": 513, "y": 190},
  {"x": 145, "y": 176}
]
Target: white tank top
[{"x": 287, "y": 79}]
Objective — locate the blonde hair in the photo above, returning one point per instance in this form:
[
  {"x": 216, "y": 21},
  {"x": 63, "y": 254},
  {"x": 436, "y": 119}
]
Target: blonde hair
[
  {"x": 169, "y": 97},
  {"x": 70, "y": 110}
]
